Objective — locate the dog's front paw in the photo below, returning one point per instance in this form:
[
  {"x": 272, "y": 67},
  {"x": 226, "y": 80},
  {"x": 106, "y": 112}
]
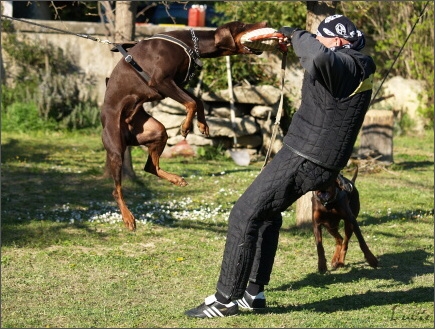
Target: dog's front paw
[
  {"x": 185, "y": 129},
  {"x": 203, "y": 128},
  {"x": 184, "y": 133},
  {"x": 181, "y": 182},
  {"x": 372, "y": 260},
  {"x": 336, "y": 264},
  {"x": 176, "y": 180},
  {"x": 322, "y": 267}
]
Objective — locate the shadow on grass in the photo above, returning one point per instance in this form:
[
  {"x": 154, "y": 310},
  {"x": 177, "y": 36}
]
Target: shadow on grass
[
  {"x": 411, "y": 214},
  {"x": 360, "y": 301},
  {"x": 368, "y": 220},
  {"x": 45, "y": 202},
  {"x": 400, "y": 267},
  {"x": 412, "y": 165},
  {"x": 30, "y": 153},
  {"x": 46, "y": 235}
]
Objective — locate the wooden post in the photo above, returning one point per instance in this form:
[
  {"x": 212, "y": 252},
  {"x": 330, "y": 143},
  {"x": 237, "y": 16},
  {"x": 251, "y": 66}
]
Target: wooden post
[
  {"x": 304, "y": 210},
  {"x": 377, "y": 136}
]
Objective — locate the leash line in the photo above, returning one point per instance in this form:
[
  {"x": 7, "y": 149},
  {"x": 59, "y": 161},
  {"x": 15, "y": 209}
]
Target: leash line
[
  {"x": 279, "y": 112},
  {"x": 85, "y": 36}
]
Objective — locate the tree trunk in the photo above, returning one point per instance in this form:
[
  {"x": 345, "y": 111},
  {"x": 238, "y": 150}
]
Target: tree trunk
[
  {"x": 316, "y": 12},
  {"x": 6, "y": 9},
  {"x": 125, "y": 14}
]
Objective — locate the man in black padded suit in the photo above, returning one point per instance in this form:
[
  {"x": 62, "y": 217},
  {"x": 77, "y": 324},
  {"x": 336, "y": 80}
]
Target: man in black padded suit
[{"x": 336, "y": 93}]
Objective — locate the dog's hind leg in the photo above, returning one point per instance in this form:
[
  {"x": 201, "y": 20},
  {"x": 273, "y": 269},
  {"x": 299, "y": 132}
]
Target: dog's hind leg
[
  {"x": 340, "y": 248},
  {"x": 126, "y": 214},
  {"x": 115, "y": 148},
  {"x": 151, "y": 133}
]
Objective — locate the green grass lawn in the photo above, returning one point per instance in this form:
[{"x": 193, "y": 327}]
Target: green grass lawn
[{"x": 68, "y": 261}]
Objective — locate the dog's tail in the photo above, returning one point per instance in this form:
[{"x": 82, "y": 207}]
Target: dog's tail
[{"x": 355, "y": 174}]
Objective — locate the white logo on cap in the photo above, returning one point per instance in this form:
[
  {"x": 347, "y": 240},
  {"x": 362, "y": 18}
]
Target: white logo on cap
[
  {"x": 328, "y": 32},
  {"x": 341, "y": 29},
  {"x": 331, "y": 18}
]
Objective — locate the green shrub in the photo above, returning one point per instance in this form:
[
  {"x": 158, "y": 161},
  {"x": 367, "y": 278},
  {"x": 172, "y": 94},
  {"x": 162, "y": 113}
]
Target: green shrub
[
  {"x": 84, "y": 115},
  {"x": 428, "y": 114},
  {"x": 48, "y": 78},
  {"x": 210, "y": 152},
  {"x": 24, "y": 117}
]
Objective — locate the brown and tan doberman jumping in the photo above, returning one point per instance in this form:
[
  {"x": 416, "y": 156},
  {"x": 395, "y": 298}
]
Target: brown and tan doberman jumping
[
  {"x": 164, "y": 64},
  {"x": 339, "y": 201}
]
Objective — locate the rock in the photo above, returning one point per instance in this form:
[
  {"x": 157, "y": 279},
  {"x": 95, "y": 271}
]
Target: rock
[
  {"x": 377, "y": 136},
  {"x": 267, "y": 127},
  {"x": 225, "y": 112},
  {"x": 293, "y": 85},
  {"x": 192, "y": 139},
  {"x": 250, "y": 141},
  {"x": 168, "y": 105},
  {"x": 168, "y": 120},
  {"x": 262, "y": 112},
  {"x": 409, "y": 95},
  {"x": 173, "y": 132},
  {"x": 263, "y": 95},
  {"x": 182, "y": 148},
  {"x": 221, "y": 127}
]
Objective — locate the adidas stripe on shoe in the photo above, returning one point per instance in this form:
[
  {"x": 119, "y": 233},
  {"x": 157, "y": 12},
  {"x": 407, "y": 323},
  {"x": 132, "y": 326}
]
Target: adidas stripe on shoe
[
  {"x": 252, "y": 302},
  {"x": 211, "y": 308}
]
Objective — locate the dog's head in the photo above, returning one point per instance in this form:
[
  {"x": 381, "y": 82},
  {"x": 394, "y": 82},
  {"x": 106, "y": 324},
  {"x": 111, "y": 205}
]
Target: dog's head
[
  {"x": 227, "y": 37},
  {"x": 328, "y": 195}
]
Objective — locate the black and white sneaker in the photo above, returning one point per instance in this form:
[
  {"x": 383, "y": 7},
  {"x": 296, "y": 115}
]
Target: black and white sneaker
[
  {"x": 211, "y": 308},
  {"x": 250, "y": 302}
]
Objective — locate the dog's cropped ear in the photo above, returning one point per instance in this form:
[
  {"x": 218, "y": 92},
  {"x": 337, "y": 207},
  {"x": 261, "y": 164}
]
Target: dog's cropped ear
[
  {"x": 223, "y": 38},
  {"x": 344, "y": 184}
]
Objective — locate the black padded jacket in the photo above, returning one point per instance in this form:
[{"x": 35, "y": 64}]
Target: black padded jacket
[{"x": 336, "y": 93}]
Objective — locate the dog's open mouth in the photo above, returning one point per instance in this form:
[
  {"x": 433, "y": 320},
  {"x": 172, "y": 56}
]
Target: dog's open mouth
[
  {"x": 253, "y": 51},
  {"x": 263, "y": 39},
  {"x": 324, "y": 196}
]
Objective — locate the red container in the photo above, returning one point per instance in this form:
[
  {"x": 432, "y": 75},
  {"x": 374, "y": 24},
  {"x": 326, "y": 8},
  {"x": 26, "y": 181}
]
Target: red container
[{"x": 196, "y": 15}]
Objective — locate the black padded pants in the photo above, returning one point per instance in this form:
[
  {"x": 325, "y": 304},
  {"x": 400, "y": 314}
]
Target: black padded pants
[{"x": 255, "y": 220}]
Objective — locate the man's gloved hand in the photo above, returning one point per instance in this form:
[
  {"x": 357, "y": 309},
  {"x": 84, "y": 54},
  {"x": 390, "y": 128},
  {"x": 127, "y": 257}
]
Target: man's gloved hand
[{"x": 287, "y": 31}]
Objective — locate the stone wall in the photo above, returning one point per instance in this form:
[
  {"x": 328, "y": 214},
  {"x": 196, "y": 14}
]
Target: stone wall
[{"x": 255, "y": 111}]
